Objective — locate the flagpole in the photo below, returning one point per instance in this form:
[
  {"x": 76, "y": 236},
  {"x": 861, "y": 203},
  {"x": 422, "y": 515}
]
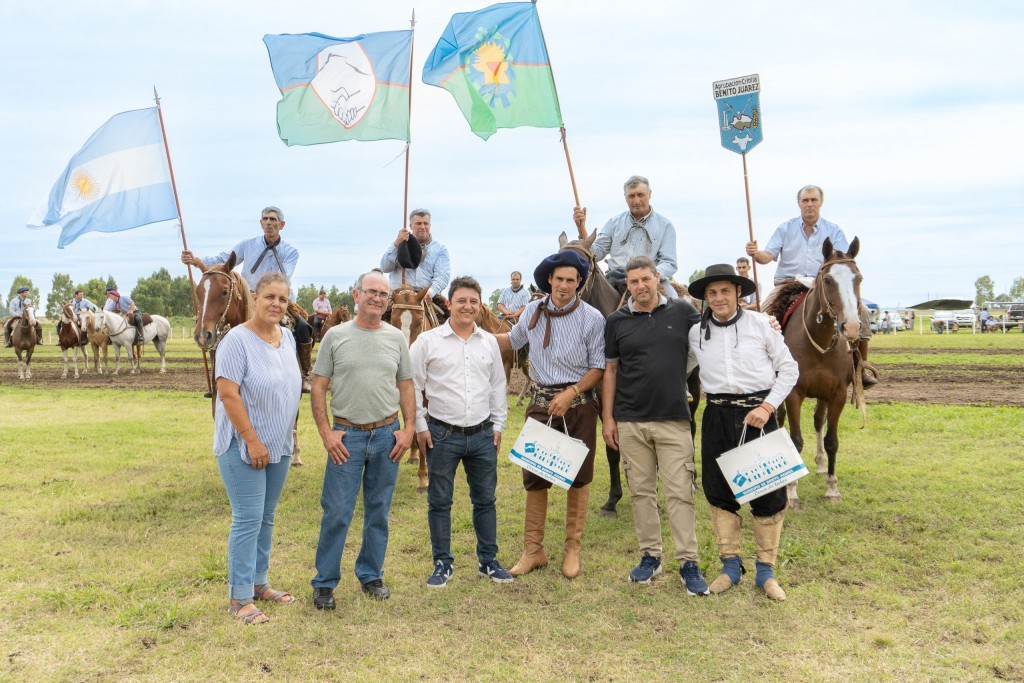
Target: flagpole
[
  {"x": 181, "y": 226},
  {"x": 565, "y": 145},
  {"x": 408, "y": 143},
  {"x": 750, "y": 226}
]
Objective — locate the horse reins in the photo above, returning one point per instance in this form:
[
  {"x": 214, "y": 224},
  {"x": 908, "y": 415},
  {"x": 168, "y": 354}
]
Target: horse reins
[
  {"x": 232, "y": 290},
  {"x": 824, "y": 307}
]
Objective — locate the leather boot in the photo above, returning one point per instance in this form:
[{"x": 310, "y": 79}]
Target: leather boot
[
  {"x": 867, "y": 377},
  {"x": 533, "y": 534},
  {"x": 305, "y": 354},
  {"x": 727, "y": 530},
  {"x": 575, "y": 518},
  {"x": 767, "y": 532}
]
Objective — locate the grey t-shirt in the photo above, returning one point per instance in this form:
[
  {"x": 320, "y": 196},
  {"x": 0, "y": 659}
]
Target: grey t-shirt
[{"x": 363, "y": 366}]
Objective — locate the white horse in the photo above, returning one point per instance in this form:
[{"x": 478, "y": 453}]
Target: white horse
[{"x": 122, "y": 334}]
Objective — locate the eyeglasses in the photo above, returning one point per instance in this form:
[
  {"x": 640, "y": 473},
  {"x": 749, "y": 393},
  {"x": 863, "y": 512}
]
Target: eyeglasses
[{"x": 373, "y": 294}]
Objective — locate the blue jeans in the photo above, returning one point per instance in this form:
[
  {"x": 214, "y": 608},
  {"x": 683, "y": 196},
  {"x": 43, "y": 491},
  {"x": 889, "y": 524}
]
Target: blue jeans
[
  {"x": 479, "y": 458},
  {"x": 253, "y": 495},
  {"x": 368, "y": 464}
]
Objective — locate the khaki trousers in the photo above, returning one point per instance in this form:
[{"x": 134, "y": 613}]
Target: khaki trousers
[{"x": 648, "y": 448}]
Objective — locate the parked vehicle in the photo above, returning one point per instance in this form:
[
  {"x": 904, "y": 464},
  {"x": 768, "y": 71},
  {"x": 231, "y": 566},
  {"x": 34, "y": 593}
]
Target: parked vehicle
[
  {"x": 1015, "y": 313},
  {"x": 965, "y": 318}
]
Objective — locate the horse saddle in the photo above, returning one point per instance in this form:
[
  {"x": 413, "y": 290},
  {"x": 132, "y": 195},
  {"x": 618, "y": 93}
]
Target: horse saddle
[{"x": 147, "y": 319}]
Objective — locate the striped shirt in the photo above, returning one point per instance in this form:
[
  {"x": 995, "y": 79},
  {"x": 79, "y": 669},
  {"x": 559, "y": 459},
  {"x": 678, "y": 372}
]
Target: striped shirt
[
  {"x": 249, "y": 252},
  {"x": 513, "y": 300},
  {"x": 623, "y": 237},
  {"x": 801, "y": 255},
  {"x": 270, "y": 385},
  {"x": 576, "y": 345},
  {"x": 434, "y": 270}
]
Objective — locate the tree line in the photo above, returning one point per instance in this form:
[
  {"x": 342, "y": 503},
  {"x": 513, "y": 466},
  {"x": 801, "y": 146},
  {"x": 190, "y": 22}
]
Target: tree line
[{"x": 985, "y": 290}]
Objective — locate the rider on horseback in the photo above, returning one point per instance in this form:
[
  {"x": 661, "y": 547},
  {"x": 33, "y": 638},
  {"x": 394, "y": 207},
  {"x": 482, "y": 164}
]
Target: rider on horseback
[
  {"x": 321, "y": 309},
  {"x": 17, "y": 306},
  {"x": 416, "y": 259},
  {"x": 124, "y": 305},
  {"x": 78, "y": 304}
]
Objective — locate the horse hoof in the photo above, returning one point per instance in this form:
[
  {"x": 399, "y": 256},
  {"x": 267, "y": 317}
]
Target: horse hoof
[
  {"x": 421, "y": 489},
  {"x": 834, "y": 500},
  {"x": 823, "y": 469},
  {"x": 610, "y": 514},
  {"x": 793, "y": 504},
  {"x": 163, "y": 371}
]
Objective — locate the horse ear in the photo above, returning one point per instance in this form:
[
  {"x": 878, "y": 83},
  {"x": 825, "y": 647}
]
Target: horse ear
[
  {"x": 422, "y": 295},
  {"x": 854, "y": 248},
  {"x": 231, "y": 262},
  {"x": 590, "y": 240},
  {"x": 562, "y": 240},
  {"x": 827, "y": 249}
]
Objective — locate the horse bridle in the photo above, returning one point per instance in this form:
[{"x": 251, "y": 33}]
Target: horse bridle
[
  {"x": 588, "y": 286},
  {"x": 232, "y": 288},
  {"x": 825, "y": 307}
]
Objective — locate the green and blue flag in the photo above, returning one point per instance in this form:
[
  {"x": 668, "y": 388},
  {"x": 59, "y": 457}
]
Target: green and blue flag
[
  {"x": 335, "y": 89},
  {"x": 495, "y": 64}
]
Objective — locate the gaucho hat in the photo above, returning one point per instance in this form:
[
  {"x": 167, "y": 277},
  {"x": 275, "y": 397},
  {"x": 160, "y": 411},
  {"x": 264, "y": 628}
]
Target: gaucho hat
[
  {"x": 410, "y": 253},
  {"x": 721, "y": 272},
  {"x": 559, "y": 260},
  {"x": 22, "y": 289}
]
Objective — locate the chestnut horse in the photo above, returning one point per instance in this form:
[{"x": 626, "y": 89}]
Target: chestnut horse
[
  {"x": 407, "y": 314},
  {"x": 24, "y": 340},
  {"x": 822, "y": 333},
  {"x": 602, "y": 295},
  {"x": 70, "y": 336},
  {"x": 340, "y": 315},
  {"x": 489, "y": 322},
  {"x": 98, "y": 339}
]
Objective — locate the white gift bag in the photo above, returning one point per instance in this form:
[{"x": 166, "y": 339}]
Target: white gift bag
[
  {"x": 761, "y": 466},
  {"x": 549, "y": 453}
]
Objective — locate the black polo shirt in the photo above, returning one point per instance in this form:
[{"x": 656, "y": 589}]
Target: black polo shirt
[{"x": 651, "y": 349}]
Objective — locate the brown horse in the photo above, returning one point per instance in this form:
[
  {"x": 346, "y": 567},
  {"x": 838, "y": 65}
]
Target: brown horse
[
  {"x": 224, "y": 302},
  {"x": 489, "y": 322},
  {"x": 822, "y": 334},
  {"x": 24, "y": 340},
  {"x": 98, "y": 339},
  {"x": 341, "y": 314},
  {"x": 408, "y": 315},
  {"x": 70, "y": 336},
  {"x": 602, "y": 295}
]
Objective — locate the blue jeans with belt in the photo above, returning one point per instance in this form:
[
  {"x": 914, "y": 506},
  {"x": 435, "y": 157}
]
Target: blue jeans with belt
[
  {"x": 253, "y": 495},
  {"x": 368, "y": 465},
  {"x": 479, "y": 458}
]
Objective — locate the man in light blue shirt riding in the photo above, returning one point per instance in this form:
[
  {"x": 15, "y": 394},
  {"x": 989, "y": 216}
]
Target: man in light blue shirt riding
[
  {"x": 78, "y": 304},
  {"x": 797, "y": 245},
  {"x": 432, "y": 269},
  {"x": 17, "y": 307},
  {"x": 120, "y": 303}
]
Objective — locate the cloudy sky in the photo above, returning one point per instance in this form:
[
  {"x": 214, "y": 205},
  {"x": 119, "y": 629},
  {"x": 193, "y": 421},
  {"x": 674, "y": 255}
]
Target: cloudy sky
[{"x": 903, "y": 111}]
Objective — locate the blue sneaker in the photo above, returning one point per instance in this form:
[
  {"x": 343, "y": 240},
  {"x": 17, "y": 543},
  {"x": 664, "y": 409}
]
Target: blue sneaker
[
  {"x": 439, "y": 579},
  {"x": 495, "y": 572},
  {"x": 648, "y": 568},
  {"x": 693, "y": 580}
]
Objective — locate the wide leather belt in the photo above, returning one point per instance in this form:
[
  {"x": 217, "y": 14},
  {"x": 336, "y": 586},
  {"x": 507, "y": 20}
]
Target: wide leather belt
[
  {"x": 465, "y": 431},
  {"x": 543, "y": 394},
  {"x": 366, "y": 427},
  {"x": 752, "y": 400}
]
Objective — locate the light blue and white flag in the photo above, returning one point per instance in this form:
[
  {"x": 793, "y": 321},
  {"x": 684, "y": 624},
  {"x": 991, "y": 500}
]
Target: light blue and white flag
[{"x": 119, "y": 180}]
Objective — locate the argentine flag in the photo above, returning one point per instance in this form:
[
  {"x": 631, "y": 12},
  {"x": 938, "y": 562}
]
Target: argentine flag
[{"x": 119, "y": 180}]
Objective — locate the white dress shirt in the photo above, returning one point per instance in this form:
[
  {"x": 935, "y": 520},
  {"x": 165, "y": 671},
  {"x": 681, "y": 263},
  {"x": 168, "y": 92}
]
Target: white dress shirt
[
  {"x": 464, "y": 381},
  {"x": 743, "y": 358}
]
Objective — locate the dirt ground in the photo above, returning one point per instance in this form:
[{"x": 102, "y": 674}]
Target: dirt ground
[{"x": 952, "y": 384}]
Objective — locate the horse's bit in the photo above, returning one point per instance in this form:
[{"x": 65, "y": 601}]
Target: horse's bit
[{"x": 824, "y": 307}]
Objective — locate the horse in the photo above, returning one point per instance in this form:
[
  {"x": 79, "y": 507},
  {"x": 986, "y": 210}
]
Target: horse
[
  {"x": 408, "y": 315},
  {"x": 24, "y": 340},
  {"x": 487, "y": 321},
  {"x": 822, "y": 333},
  {"x": 97, "y": 339},
  {"x": 121, "y": 334},
  {"x": 340, "y": 315},
  {"x": 157, "y": 331},
  {"x": 69, "y": 336},
  {"x": 602, "y": 295}
]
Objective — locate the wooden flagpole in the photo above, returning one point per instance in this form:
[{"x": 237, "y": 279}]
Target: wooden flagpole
[
  {"x": 750, "y": 226},
  {"x": 181, "y": 226},
  {"x": 565, "y": 145},
  {"x": 408, "y": 143}
]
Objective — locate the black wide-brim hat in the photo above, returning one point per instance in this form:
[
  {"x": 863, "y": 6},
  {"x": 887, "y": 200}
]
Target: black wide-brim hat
[
  {"x": 721, "y": 272},
  {"x": 410, "y": 253},
  {"x": 559, "y": 260}
]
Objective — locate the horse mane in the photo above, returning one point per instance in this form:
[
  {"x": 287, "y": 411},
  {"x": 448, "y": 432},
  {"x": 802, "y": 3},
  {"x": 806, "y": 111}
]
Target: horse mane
[
  {"x": 297, "y": 311},
  {"x": 785, "y": 295}
]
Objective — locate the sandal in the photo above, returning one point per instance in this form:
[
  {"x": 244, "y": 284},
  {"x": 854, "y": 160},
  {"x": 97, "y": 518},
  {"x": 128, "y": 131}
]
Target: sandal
[
  {"x": 265, "y": 592},
  {"x": 249, "y": 618}
]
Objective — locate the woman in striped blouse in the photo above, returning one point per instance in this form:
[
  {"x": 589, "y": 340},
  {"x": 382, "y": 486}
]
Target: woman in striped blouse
[{"x": 259, "y": 386}]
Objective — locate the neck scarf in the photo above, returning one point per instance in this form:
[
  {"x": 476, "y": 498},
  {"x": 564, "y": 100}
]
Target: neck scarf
[
  {"x": 543, "y": 308},
  {"x": 709, "y": 319},
  {"x": 641, "y": 225},
  {"x": 271, "y": 248}
]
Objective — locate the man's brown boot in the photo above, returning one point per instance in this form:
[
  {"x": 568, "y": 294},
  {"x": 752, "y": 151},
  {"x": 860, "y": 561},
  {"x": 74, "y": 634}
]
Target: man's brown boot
[
  {"x": 727, "y": 530},
  {"x": 533, "y": 534},
  {"x": 305, "y": 354},
  {"x": 767, "y": 533},
  {"x": 866, "y": 375},
  {"x": 575, "y": 518}
]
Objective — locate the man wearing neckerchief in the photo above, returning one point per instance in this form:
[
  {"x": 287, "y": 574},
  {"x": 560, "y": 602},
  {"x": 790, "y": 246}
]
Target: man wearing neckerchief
[{"x": 747, "y": 372}]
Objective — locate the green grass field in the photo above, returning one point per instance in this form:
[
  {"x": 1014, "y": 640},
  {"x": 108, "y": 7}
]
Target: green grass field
[{"x": 113, "y": 562}]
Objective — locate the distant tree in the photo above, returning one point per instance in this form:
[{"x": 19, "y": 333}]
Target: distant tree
[
  {"x": 985, "y": 288},
  {"x": 306, "y": 295},
  {"x": 95, "y": 290},
  {"x": 62, "y": 289},
  {"x": 696, "y": 275},
  {"x": 340, "y": 298},
  {"x": 182, "y": 301},
  {"x": 153, "y": 294},
  {"x": 1001, "y": 297},
  {"x": 492, "y": 301},
  {"x": 111, "y": 284},
  {"x": 1017, "y": 289},
  {"x": 22, "y": 281}
]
